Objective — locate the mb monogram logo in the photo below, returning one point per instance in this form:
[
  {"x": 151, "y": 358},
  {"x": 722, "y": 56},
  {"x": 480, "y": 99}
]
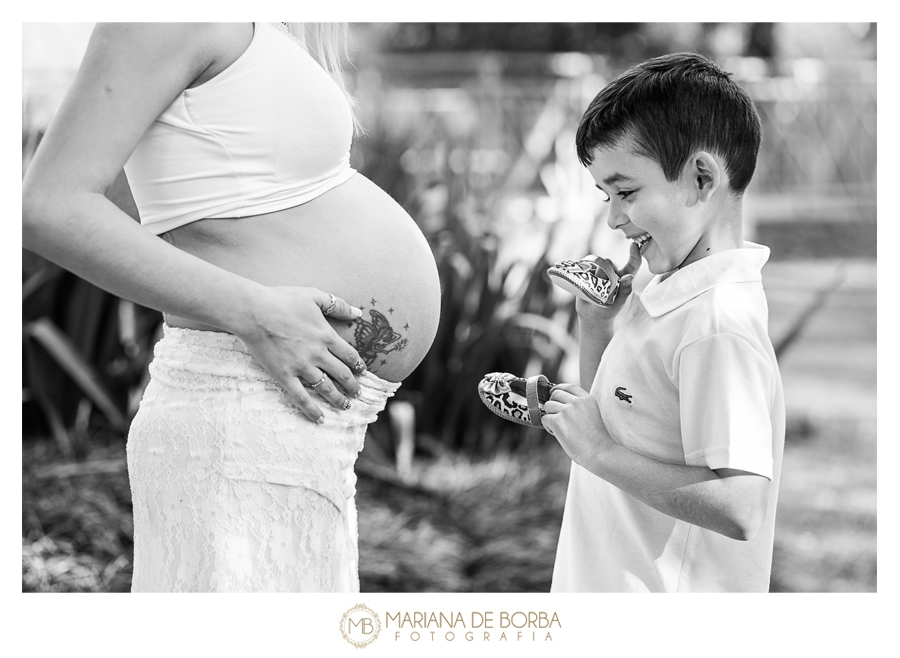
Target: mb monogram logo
[{"x": 360, "y": 626}]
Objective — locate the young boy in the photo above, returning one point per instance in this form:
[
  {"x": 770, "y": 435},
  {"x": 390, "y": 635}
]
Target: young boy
[{"x": 677, "y": 447}]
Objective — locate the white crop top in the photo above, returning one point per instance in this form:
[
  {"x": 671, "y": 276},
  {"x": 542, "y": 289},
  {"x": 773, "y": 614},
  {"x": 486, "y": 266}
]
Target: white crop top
[{"x": 270, "y": 132}]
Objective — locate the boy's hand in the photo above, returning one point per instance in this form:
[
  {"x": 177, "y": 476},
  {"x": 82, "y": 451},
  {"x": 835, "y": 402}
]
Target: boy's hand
[
  {"x": 593, "y": 315},
  {"x": 573, "y": 417}
]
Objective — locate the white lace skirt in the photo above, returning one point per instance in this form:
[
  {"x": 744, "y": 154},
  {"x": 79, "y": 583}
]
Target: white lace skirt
[{"x": 234, "y": 490}]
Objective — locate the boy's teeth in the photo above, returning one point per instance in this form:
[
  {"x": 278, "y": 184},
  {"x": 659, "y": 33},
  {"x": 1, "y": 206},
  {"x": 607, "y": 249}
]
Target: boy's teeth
[{"x": 640, "y": 240}]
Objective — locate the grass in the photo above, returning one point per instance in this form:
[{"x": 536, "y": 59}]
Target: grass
[
  {"x": 466, "y": 526},
  {"x": 486, "y": 526},
  {"x": 76, "y": 529}
]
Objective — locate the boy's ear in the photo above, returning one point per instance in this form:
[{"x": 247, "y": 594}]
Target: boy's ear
[{"x": 706, "y": 175}]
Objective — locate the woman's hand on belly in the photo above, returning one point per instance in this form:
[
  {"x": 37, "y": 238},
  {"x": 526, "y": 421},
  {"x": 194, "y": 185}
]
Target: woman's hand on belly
[{"x": 293, "y": 341}]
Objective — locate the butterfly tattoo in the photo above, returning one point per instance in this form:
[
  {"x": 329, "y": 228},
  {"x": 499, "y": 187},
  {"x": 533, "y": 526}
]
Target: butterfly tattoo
[{"x": 376, "y": 337}]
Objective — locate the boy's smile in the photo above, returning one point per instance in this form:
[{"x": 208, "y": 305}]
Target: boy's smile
[{"x": 671, "y": 221}]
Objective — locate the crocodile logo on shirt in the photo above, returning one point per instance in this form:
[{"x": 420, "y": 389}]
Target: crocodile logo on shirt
[{"x": 622, "y": 395}]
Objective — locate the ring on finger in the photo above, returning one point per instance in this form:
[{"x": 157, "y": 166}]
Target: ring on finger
[
  {"x": 321, "y": 381},
  {"x": 330, "y": 309}
]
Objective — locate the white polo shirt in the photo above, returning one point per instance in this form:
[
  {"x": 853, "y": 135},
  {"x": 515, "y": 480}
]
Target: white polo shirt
[{"x": 689, "y": 377}]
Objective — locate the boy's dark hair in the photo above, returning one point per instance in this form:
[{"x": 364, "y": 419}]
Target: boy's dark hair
[{"x": 673, "y": 106}]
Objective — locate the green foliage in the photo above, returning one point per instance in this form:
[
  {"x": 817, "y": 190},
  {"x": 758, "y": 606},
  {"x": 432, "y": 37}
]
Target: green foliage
[{"x": 76, "y": 356}]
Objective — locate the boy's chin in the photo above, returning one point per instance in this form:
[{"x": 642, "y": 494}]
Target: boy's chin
[
  {"x": 656, "y": 267},
  {"x": 660, "y": 268},
  {"x": 659, "y": 265}
]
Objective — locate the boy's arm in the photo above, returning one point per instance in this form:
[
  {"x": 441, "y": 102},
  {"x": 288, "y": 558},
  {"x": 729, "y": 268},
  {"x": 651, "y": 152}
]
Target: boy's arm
[
  {"x": 595, "y": 323},
  {"x": 592, "y": 342},
  {"x": 728, "y": 501}
]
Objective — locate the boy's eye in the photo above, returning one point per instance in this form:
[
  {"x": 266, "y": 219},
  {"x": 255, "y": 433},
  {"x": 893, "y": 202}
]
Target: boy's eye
[{"x": 622, "y": 194}]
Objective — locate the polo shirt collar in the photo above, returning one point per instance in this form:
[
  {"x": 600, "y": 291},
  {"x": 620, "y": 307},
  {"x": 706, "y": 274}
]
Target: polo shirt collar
[{"x": 731, "y": 266}]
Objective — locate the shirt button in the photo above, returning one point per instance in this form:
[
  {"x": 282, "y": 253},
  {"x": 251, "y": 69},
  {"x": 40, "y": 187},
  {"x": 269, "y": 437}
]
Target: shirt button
[{"x": 635, "y": 314}]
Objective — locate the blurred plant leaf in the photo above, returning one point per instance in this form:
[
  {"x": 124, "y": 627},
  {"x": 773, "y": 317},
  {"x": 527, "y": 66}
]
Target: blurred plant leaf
[
  {"x": 556, "y": 335},
  {"x": 43, "y": 397},
  {"x": 46, "y": 272},
  {"x": 67, "y": 356}
]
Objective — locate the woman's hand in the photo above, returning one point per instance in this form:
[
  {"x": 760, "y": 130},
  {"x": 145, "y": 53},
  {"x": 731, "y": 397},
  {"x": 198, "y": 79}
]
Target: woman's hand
[
  {"x": 292, "y": 339},
  {"x": 599, "y": 316}
]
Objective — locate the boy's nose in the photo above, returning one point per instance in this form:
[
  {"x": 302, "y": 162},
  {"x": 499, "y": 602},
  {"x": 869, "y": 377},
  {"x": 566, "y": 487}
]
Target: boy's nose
[{"x": 616, "y": 217}]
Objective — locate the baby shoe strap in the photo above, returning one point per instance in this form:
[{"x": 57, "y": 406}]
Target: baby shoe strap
[
  {"x": 531, "y": 396},
  {"x": 604, "y": 265}
]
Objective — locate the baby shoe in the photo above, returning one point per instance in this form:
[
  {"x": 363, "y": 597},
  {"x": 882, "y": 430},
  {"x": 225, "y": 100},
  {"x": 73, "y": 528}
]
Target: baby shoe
[
  {"x": 516, "y": 398},
  {"x": 592, "y": 278}
]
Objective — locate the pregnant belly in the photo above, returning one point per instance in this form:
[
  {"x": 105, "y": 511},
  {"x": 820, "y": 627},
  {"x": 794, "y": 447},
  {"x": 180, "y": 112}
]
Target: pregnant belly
[{"x": 354, "y": 242}]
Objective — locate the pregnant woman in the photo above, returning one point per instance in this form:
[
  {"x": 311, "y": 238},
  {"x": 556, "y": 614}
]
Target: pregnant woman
[{"x": 296, "y": 293}]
